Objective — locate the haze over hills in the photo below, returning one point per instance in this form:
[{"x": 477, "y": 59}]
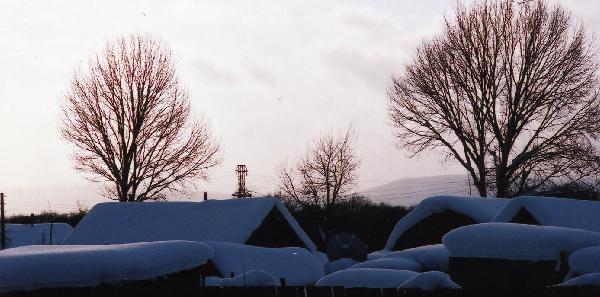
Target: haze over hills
[{"x": 409, "y": 191}]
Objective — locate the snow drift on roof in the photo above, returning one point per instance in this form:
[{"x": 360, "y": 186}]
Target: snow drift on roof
[
  {"x": 559, "y": 212},
  {"x": 592, "y": 279},
  {"x": 430, "y": 257},
  {"x": 584, "y": 261},
  {"x": 366, "y": 278},
  {"x": 516, "y": 241},
  {"x": 297, "y": 265},
  {"x": 390, "y": 263},
  {"x": 231, "y": 220},
  {"x": 479, "y": 209},
  {"x": 429, "y": 281},
  {"x": 38, "y": 234},
  {"x": 55, "y": 266}
]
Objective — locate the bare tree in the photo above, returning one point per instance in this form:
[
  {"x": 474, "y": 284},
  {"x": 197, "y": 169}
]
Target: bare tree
[
  {"x": 324, "y": 176},
  {"x": 129, "y": 119},
  {"x": 509, "y": 90}
]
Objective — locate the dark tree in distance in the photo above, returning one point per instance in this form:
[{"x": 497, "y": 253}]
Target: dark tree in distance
[
  {"x": 130, "y": 122},
  {"x": 509, "y": 90},
  {"x": 325, "y": 175}
]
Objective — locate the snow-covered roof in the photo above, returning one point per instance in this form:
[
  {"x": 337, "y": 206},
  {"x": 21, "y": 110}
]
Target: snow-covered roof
[
  {"x": 430, "y": 257},
  {"x": 58, "y": 266},
  {"x": 366, "y": 278},
  {"x": 559, "y": 212},
  {"x": 584, "y": 261},
  {"x": 36, "y": 234},
  {"x": 399, "y": 263},
  {"x": 231, "y": 220},
  {"x": 591, "y": 279},
  {"x": 517, "y": 241},
  {"x": 297, "y": 265},
  {"x": 430, "y": 281},
  {"x": 479, "y": 209}
]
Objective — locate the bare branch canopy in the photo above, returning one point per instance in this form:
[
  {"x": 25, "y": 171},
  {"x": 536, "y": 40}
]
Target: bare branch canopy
[{"x": 130, "y": 121}]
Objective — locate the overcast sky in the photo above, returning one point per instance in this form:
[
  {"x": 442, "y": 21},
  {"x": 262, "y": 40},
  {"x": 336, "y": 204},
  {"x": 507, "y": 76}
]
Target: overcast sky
[{"x": 268, "y": 75}]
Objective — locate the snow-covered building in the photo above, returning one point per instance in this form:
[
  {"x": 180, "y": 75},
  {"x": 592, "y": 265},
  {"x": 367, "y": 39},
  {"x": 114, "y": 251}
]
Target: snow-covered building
[
  {"x": 547, "y": 211},
  {"x": 263, "y": 222},
  {"x": 510, "y": 255},
  {"x": 435, "y": 216},
  {"x": 36, "y": 234}
]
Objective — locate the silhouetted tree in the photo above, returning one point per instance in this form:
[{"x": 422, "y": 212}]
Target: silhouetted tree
[
  {"x": 324, "y": 176},
  {"x": 509, "y": 90},
  {"x": 129, "y": 119}
]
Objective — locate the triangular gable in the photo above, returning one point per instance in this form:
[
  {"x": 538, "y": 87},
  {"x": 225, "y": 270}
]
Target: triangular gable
[{"x": 524, "y": 217}]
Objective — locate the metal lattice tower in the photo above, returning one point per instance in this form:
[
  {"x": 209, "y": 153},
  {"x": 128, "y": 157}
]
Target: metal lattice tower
[{"x": 242, "y": 192}]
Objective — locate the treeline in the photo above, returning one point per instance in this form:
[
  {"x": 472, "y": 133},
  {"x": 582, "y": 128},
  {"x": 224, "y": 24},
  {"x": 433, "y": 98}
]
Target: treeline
[
  {"x": 370, "y": 221},
  {"x": 71, "y": 218}
]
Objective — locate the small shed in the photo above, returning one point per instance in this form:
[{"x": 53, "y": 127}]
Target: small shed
[
  {"x": 435, "y": 216},
  {"x": 36, "y": 234},
  {"x": 263, "y": 222},
  {"x": 549, "y": 211}
]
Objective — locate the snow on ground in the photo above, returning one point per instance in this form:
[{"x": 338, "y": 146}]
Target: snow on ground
[
  {"x": 516, "y": 241},
  {"x": 429, "y": 281},
  {"x": 297, "y": 265},
  {"x": 390, "y": 263},
  {"x": 366, "y": 277},
  {"x": 36, "y": 234},
  {"x": 592, "y": 279},
  {"x": 339, "y": 264},
  {"x": 479, "y": 209},
  {"x": 52, "y": 266},
  {"x": 231, "y": 220},
  {"x": 430, "y": 257},
  {"x": 252, "y": 278},
  {"x": 584, "y": 261},
  {"x": 559, "y": 212}
]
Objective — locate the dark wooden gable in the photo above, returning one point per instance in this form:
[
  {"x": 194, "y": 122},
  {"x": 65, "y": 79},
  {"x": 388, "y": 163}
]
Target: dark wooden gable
[
  {"x": 524, "y": 217},
  {"x": 275, "y": 231},
  {"x": 431, "y": 229}
]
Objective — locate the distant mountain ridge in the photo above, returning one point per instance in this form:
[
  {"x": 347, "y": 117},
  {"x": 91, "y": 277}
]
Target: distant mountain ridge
[{"x": 410, "y": 191}]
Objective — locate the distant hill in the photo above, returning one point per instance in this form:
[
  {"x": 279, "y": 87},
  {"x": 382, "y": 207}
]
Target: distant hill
[{"x": 410, "y": 191}]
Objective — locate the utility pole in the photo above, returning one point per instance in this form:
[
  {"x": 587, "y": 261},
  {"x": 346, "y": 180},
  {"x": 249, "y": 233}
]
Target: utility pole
[
  {"x": 242, "y": 192},
  {"x": 2, "y": 223}
]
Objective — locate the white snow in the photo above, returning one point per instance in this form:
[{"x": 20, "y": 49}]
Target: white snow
[
  {"x": 390, "y": 263},
  {"x": 516, "y": 241},
  {"x": 339, "y": 264},
  {"x": 569, "y": 213},
  {"x": 584, "y": 261},
  {"x": 592, "y": 279},
  {"x": 297, "y": 265},
  {"x": 429, "y": 281},
  {"x": 38, "y": 234},
  {"x": 231, "y": 220},
  {"x": 430, "y": 257},
  {"x": 252, "y": 278},
  {"x": 367, "y": 278},
  {"x": 52, "y": 266},
  {"x": 378, "y": 254},
  {"x": 479, "y": 209},
  {"x": 321, "y": 257}
]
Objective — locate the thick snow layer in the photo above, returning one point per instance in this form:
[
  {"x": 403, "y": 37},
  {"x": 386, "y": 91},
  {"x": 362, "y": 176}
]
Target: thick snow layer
[
  {"x": 367, "y": 278},
  {"x": 321, "y": 257},
  {"x": 52, "y": 266},
  {"x": 390, "y": 263},
  {"x": 297, "y": 265},
  {"x": 378, "y": 254},
  {"x": 252, "y": 278},
  {"x": 479, "y": 209},
  {"x": 429, "y": 281},
  {"x": 430, "y": 257},
  {"x": 231, "y": 220},
  {"x": 38, "y": 234},
  {"x": 592, "y": 279},
  {"x": 569, "y": 213},
  {"x": 586, "y": 260},
  {"x": 339, "y": 264},
  {"x": 516, "y": 241}
]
